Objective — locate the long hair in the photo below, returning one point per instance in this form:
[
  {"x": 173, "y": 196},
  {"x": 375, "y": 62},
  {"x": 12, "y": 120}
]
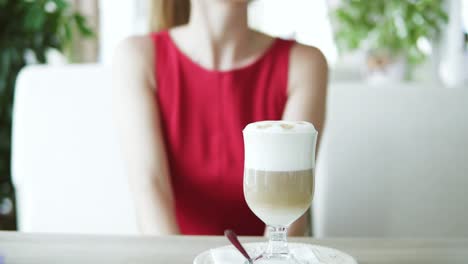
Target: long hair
[{"x": 168, "y": 13}]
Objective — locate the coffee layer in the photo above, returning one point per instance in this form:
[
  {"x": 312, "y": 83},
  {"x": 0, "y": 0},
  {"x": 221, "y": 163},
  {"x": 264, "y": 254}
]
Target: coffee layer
[{"x": 278, "y": 198}]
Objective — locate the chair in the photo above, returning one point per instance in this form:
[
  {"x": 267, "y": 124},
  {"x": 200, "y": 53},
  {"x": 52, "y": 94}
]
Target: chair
[
  {"x": 67, "y": 168},
  {"x": 393, "y": 162}
]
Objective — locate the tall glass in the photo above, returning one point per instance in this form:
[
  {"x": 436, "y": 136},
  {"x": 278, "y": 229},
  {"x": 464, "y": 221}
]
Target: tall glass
[{"x": 279, "y": 179}]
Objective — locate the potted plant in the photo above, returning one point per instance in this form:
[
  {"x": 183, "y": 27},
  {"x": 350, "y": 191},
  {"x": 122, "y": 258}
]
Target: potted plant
[
  {"x": 394, "y": 34},
  {"x": 27, "y": 27}
]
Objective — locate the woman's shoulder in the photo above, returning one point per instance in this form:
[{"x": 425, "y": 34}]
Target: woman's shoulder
[
  {"x": 134, "y": 58},
  {"x": 307, "y": 56},
  {"x": 135, "y": 52},
  {"x": 300, "y": 54},
  {"x": 135, "y": 48},
  {"x": 307, "y": 66}
]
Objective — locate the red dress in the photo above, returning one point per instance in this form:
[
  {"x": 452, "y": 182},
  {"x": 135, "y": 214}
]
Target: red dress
[{"x": 203, "y": 113}]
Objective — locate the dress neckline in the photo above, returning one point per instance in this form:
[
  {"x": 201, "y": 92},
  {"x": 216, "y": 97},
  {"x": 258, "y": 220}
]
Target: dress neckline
[{"x": 248, "y": 66}]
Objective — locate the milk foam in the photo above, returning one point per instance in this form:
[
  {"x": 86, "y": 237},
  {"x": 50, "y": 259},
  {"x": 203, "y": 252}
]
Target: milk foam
[{"x": 280, "y": 145}]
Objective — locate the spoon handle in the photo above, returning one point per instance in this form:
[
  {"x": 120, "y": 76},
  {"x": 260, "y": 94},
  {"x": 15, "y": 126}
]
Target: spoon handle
[{"x": 236, "y": 243}]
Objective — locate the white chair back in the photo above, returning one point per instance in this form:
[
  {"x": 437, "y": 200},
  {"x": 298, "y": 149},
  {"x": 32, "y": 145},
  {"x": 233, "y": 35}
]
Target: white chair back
[
  {"x": 67, "y": 167},
  {"x": 393, "y": 163}
]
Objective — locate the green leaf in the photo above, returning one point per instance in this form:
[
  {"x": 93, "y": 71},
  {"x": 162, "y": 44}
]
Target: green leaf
[
  {"x": 5, "y": 59},
  {"x": 68, "y": 32},
  {"x": 392, "y": 25},
  {"x": 61, "y": 4},
  {"x": 35, "y": 17},
  {"x": 82, "y": 25}
]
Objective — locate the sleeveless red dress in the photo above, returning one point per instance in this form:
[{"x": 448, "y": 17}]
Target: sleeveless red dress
[{"x": 203, "y": 113}]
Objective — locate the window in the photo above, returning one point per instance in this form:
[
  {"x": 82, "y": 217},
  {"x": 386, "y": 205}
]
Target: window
[{"x": 306, "y": 21}]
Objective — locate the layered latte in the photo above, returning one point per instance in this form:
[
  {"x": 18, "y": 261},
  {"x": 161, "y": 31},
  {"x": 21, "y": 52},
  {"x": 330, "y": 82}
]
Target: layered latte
[{"x": 279, "y": 169}]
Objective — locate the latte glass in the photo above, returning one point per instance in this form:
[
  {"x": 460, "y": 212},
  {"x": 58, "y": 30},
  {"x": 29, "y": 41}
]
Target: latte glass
[{"x": 279, "y": 179}]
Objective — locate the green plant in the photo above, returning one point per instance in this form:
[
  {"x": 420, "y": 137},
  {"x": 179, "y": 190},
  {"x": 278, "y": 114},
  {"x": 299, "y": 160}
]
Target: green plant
[
  {"x": 393, "y": 25},
  {"x": 28, "y": 27}
]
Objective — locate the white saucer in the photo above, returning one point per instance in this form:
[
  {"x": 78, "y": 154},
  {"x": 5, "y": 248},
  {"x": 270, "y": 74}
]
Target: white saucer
[{"x": 325, "y": 255}]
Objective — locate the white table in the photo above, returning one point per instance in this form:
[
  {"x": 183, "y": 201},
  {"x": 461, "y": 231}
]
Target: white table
[{"x": 65, "y": 249}]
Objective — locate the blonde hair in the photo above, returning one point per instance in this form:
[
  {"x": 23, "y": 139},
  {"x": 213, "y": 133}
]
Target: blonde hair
[{"x": 168, "y": 13}]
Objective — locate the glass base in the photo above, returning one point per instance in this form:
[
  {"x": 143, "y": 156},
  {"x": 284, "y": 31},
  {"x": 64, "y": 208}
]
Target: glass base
[{"x": 276, "y": 259}]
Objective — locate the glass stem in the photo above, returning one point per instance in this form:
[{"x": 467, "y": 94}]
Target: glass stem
[{"x": 278, "y": 244}]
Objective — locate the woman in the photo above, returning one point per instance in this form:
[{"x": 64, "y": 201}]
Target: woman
[{"x": 182, "y": 97}]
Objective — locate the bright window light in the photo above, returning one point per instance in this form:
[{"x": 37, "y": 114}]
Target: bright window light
[{"x": 304, "y": 20}]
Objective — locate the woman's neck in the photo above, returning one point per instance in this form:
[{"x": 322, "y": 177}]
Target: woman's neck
[
  {"x": 221, "y": 29},
  {"x": 220, "y": 21}
]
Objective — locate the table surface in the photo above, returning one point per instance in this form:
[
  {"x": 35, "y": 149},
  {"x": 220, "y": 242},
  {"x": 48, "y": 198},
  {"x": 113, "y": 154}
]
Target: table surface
[{"x": 53, "y": 248}]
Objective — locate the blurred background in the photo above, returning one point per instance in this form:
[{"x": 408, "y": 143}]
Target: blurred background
[{"x": 60, "y": 141}]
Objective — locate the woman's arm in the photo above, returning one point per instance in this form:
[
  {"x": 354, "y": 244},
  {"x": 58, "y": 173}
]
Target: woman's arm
[
  {"x": 307, "y": 88},
  {"x": 137, "y": 117}
]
